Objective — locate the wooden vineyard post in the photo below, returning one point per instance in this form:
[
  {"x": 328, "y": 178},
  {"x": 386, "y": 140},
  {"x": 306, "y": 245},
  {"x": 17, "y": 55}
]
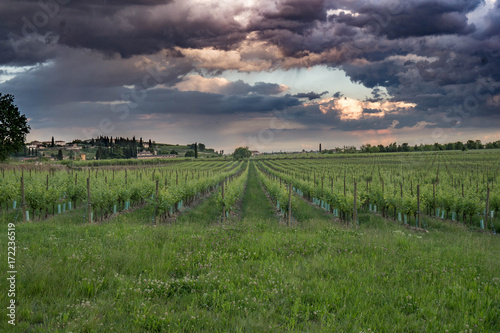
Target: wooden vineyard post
[
  {"x": 47, "y": 188},
  {"x": 223, "y": 205},
  {"x": 89, "y": 205},
  {"x": 418, "y": 204},
  {"x": 355, "y": 210},
  {"x": 487, "y": 208},
  {"x": 289, "y": 217},
  {"x": 344, "y": 186},
  {"x": 434, "y": 196},
  {"x": 23, "y": 200},
  {"x": 156, "y": 206}
]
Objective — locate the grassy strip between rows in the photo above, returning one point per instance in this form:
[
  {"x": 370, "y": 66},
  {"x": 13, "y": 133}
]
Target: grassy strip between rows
[
  {"x": 195, "y": 275},
  {"x": 256, "y": 206}
]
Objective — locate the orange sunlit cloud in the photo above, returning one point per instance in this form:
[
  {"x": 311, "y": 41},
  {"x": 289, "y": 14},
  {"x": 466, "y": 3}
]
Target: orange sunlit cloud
[
  {"x": 256, "y": 55},
  {"x": 200, "y": 83},
  {"x": 352, "y": 109},
  {"x": 216, "y": 85}
]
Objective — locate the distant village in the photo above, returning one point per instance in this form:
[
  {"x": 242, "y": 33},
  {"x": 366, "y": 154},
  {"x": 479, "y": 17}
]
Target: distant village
[
  {"x": 37, "y": 149},
  {"x": 106, "y": 148}
]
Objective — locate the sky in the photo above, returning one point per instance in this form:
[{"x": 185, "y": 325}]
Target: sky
[{"x": 271, "y": 75}]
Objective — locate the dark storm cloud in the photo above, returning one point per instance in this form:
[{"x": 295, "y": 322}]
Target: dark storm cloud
[
  {"x": 371, "y": 111},
  {"x": 159, "y": 102},
  {"x": 113, "y": 27},
  {"x": 164, "y": 101},
  {"x": 264, "y": 88},
  {"x": 299, "y": 11},
  {"x": 310, "y": 95},
  {"x": 377, "y": 95},
  {"x": 412, "y": 18},
  {"x": 75, "y": 77},
  {"x": 421, "y": 51}
]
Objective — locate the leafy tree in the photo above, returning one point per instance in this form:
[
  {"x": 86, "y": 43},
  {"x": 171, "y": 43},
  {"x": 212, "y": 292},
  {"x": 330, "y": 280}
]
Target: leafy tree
[
  {"x": 117, "y": 152},
  {"x": 241, "y": 153},
  {"x": 98, "y": 154},
  {"x": 201, "y": 147},
  {"x": 471, "y": 144},
  {"x": 173, "y": 152},
  {"x": 13, "y": 127},
  {"x": 366, "y": 148},
  {"x": 189, "y": 153}
]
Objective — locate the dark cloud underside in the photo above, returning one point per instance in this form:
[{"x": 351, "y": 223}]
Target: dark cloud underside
[{"x": 424, "y": 52}]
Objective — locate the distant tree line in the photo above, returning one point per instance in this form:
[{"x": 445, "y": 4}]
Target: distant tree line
[{"x": 405, "y": 147}]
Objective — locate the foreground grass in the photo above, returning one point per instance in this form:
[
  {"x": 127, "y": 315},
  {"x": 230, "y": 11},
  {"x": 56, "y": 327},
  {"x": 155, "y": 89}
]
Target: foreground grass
[{"x": 196, "y": 275}]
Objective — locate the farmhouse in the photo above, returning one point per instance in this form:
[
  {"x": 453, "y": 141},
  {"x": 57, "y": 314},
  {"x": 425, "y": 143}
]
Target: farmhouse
[
  {"x": 73, "y": 146},
  {"x": 143, "y": 156}
]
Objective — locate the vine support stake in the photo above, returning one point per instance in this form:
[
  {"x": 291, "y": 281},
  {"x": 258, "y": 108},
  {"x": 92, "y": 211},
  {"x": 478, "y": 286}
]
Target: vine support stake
[
  {"x": 23, "y": 200},
  {"x": 487, "y": 208},
  {"x": 418, "y": 205},
  {"x": 223, "y": 204},
  {"x": 89, "y": 205},
  {"x": 156, "y": 206},
  {"x": 289, "y": 222},
  {"x": 434, "y": 196},
  {"x": 355, "y": 209}
]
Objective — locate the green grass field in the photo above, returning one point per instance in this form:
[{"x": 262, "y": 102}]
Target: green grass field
[{"x": 253, "y": 274}]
